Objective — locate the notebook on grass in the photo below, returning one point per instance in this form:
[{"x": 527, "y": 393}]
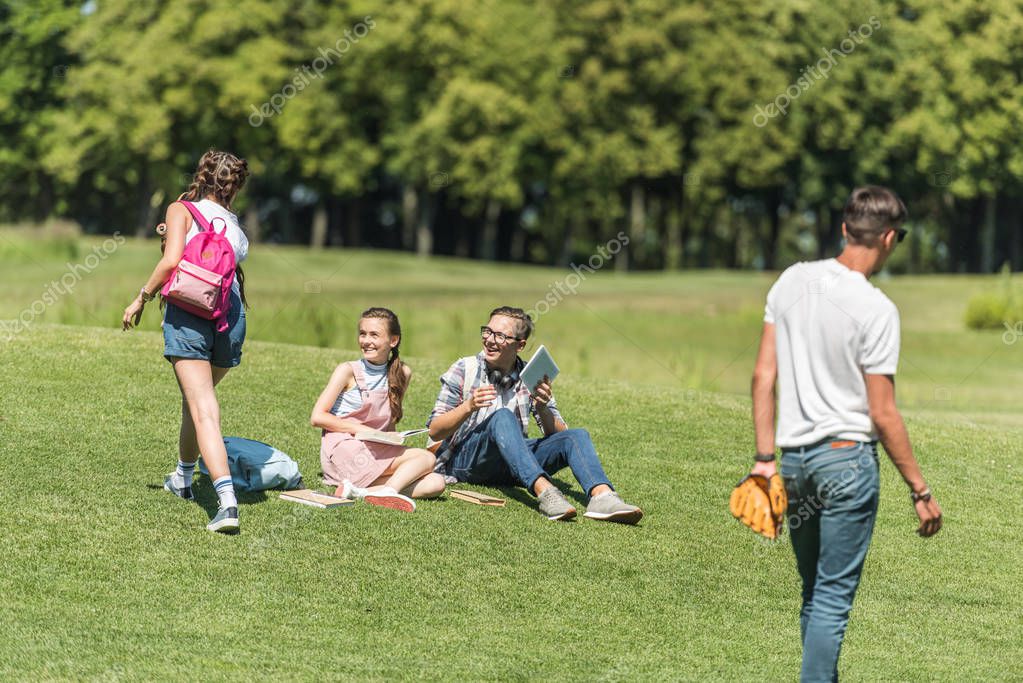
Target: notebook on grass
[
  {"x": 476, "y": 497},
  {"x": 315, "y": 498}
]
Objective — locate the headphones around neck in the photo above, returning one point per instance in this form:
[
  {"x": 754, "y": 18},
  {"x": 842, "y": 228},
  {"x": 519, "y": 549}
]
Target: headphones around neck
[{"x": 505, "y": 381}]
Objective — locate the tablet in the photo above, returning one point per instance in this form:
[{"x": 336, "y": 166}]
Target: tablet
[{"x": 539, "y": 365}]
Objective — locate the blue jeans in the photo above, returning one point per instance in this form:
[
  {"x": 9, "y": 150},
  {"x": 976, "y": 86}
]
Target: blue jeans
[
  {"x": 833, "y": 491},
  {"x": 186, "y": 335},
  {"x": 495, "y": 452}
]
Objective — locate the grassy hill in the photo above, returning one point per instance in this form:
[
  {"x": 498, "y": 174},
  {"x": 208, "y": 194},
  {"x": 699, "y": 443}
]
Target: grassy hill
[
  {"x": 680, "y": 331},
  {"x": 107, "y": 577}
]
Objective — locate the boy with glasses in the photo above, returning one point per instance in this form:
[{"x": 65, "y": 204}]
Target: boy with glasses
[
  {"x": 831, "y": 341},
  {"x": 481, "y": 417}
]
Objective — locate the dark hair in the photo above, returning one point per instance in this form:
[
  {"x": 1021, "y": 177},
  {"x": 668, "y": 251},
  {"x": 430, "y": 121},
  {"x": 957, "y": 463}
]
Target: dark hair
[
  {"x": 397, "y": 382},
  {"x": 524, "y": 324},
  {"x": 870, "y": 211},
  {"x": 222, "y": 175}
]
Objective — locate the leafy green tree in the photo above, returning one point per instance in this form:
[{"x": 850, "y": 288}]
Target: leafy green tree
[{"x": 33, "y": 67}]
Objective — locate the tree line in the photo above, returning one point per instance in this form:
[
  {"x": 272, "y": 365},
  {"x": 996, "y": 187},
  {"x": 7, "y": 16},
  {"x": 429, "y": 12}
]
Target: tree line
[{"x": 723, "y": 134}]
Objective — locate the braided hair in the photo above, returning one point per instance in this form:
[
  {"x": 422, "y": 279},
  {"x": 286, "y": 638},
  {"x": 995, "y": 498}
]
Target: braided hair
[
  {"x": 397, "y": 382},
  {"x": 220, "y": 175}
]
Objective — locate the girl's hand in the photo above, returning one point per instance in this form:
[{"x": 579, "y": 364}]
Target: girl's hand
[{"x": 133, "y": 314}]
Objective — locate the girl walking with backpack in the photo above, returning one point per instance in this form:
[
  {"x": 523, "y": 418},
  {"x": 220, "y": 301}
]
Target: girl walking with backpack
[
  {"x": 365, "y": 396},
  {"x": 204, "y": 318}
]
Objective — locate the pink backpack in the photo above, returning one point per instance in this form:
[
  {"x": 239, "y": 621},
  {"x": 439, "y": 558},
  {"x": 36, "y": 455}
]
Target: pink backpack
[{"x": 201, "y": 283}]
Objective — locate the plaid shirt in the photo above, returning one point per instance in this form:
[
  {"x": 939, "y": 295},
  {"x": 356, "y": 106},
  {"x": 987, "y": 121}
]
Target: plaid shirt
[{"x": 517, "y": 399}]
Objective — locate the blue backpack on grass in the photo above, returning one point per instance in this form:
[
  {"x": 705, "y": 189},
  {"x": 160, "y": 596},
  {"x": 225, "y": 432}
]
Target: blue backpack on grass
[{"x": 256, "y": 466}]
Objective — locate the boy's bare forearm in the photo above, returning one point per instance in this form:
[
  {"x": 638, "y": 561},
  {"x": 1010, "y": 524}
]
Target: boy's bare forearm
[
  {"x": 445, "y": 424},
  {"x": 548, "y": 423},
  {"x": 763, "y": 416},
  {"x": 895, "y": 439}
]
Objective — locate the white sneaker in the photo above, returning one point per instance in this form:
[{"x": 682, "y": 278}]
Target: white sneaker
[
  {"x": 350, "y": 491},
  {"x": 389, "y": 498}
]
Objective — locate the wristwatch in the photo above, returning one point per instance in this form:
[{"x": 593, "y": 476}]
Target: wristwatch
[
  {"x": 924, "y": 495},
  {"x": 146, "y": 296},
  {"x": 764, "y": 457}
]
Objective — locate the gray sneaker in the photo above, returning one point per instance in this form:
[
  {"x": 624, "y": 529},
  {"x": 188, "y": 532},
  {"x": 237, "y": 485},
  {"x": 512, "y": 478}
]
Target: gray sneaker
[
  {"x": 554, "y": 505},
  {"x": 609, "y": 507},
  {"x": 225, "y": 522},
  {"x": 181, "y": 492}
]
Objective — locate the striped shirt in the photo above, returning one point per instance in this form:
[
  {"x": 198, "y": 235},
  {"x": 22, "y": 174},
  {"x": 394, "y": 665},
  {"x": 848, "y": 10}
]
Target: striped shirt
[{"x": 517, "y": 399}]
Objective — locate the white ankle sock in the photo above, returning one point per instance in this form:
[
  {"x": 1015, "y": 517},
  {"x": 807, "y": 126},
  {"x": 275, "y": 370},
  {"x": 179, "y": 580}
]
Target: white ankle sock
[
  {"x": 350, "y": 490},
  {"x": 225, "y": 491},
  {"x": 183, "y": 474}
]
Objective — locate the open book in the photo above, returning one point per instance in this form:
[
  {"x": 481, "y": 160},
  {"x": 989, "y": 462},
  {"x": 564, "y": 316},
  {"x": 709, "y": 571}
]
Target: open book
[
  {"x": 315, "y": 498},
  {"x": 392, "y": 438}
]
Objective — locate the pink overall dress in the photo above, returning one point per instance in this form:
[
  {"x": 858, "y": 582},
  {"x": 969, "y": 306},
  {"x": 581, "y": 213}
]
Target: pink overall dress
[{"x": 342, "y": 456}]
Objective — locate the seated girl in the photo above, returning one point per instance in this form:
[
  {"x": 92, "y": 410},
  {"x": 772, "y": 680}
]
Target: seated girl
[{"x": 366, "y": 396}]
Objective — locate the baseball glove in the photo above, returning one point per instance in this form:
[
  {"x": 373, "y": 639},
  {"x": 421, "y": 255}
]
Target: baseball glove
[{"x": 760, "y": 504}]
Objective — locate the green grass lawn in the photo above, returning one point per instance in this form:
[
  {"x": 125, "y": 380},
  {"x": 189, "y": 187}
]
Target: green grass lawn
[{"x": 108, "y": 577}]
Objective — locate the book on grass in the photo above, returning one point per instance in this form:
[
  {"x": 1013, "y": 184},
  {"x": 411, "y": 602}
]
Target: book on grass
[
  {"x": 477, "y": 498},
  {"x": 392, "y": 438},
  {"x": 315, "y": 498},
  {"x": 539, "y": 365}
]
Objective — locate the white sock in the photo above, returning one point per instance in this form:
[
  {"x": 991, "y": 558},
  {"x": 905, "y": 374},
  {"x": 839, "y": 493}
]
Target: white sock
[
  {"x": 350, "y": 490},
  {"x": 225, "y": 491},
  {"x": 183, "y": 474}
]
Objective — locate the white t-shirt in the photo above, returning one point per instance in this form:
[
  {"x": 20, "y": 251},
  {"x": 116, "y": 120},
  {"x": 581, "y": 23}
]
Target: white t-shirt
[
  {"x": 831, "y": 327},
  {"x": 239, "y": 242}
]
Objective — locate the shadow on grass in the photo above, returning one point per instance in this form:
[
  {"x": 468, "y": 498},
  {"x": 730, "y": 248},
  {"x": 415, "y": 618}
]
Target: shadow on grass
[
  {"x": 520, "y": 495},
  {"x": 206, "y": 496}
]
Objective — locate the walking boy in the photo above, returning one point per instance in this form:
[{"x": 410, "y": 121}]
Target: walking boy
[{"x": 831, "y": 340}]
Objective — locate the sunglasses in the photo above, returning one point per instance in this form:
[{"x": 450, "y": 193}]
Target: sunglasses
[{"x": 900, "y": 234}]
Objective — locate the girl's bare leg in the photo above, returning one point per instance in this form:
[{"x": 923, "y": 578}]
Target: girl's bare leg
[
  {"x": 430, "y": 486},
  {"x": 188, "y": 445},
  {"x": 411, "y": 473},
  {"x": 195, "y": 378}
]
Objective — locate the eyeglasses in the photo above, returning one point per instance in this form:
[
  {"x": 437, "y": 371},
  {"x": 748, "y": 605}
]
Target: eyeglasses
[
  {"x": 499, "y": 337},
  {"x": 900, "y": 234}
]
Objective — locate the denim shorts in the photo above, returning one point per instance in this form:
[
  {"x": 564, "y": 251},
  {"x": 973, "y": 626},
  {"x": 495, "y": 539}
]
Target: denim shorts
[{"x": 188, "y": 336}]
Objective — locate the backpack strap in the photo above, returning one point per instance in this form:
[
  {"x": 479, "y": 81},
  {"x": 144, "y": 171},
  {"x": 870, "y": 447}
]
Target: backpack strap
[
  {"x": 197, "y": 215},
  {"x": 201, "y": 220},
  {"x": 472, "y": 366}
]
